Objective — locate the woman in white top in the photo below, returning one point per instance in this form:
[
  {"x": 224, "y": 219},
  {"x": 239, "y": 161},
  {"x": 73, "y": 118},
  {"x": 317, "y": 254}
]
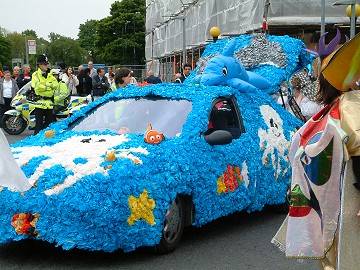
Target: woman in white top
[
  {"x": 70, "y": 80},
  {"x": 8, "y": 89},
  {"x": 308, "y": 108}
]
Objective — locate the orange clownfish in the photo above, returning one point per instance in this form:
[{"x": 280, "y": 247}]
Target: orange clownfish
[{"x": 152, "y": 136}]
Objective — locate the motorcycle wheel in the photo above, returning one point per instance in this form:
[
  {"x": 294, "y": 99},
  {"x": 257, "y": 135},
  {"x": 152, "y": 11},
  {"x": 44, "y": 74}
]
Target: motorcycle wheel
[{"x": 13, "y": 125}]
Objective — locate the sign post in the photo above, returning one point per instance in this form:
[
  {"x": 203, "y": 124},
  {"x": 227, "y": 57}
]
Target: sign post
[{"x": 30, "y": 45}]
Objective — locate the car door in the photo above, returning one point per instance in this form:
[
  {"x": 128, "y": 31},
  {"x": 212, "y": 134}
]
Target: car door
[{"x": 228, "y": 182}]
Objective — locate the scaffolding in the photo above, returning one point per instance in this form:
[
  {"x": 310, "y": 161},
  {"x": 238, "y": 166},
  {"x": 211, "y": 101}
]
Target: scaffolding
[{"x": 178, "y": 30}]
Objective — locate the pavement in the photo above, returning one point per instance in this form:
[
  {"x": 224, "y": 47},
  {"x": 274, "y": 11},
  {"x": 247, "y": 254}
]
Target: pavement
[{"x": 239, "y": 241}]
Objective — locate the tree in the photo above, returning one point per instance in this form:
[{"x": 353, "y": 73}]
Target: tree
[
  {"x": 53, "y": 36},
  {"x": 29, "y": 33},
  {"x": 120, "y": 38},
  {"x": 87, "y": 36},
  {"x": 5, "y": 51},
  {"x": 65, "y": 50},
  {"x": 17, "y": 42}
]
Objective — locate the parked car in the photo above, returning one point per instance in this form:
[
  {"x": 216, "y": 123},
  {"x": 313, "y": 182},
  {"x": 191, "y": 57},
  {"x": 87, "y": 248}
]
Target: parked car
[{"x": 138, "y": 165}]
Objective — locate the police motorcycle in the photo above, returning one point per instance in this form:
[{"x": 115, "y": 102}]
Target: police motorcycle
[{"x": 16, "y": 120}]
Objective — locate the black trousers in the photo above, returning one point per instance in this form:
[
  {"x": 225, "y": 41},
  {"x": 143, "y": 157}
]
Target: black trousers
[
  {"x": 43, "y": 118},
  {"x": 4, "y": 107},
  {"x": 356, "y": 168}
]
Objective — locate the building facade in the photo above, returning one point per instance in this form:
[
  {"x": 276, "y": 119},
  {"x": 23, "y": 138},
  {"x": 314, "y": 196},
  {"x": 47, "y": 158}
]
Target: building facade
[{"x": 175, "y": 26}]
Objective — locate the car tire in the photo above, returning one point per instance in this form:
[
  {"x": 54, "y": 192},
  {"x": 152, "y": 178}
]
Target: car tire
[
  {"x": 280, "y": 208},
  {"x": 284, "y": 207},
  {"x": 173, "y": 227},
  {"x": 11, "y": 127}
]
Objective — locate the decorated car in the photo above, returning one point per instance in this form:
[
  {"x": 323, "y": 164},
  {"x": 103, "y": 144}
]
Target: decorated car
[{"x": 135, "y": 167}]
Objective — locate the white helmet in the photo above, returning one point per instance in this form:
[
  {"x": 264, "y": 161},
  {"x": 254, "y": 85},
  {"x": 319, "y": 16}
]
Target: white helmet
[{"x": 55, "y": 71}]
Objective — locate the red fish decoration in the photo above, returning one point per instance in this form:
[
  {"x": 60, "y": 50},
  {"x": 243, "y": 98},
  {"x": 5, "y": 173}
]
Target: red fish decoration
[{"x": 24, "y": 223}]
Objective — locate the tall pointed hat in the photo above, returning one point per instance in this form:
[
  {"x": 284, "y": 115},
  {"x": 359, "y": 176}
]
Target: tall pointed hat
[{"x": 342, "y": 67}]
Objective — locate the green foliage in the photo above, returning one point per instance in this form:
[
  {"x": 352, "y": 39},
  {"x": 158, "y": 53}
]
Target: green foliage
[
  {"x": 122, "y": 33},
  {"x": 65, "y": 50},
  {"x": 87, "y": 36},
  {"x": 5, "y": 51},
  {"x": 17, "y": 42},
  {"x": 53, "y": 36},
  {"x": 29, "y": 33}
]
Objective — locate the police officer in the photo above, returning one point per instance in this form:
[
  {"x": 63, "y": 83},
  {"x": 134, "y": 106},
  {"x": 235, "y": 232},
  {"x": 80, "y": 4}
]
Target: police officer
[{"x": 44, "y": 85}]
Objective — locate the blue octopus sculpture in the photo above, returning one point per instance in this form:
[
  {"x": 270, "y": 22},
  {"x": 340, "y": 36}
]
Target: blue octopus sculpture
[{"x": 225, "y": 69}]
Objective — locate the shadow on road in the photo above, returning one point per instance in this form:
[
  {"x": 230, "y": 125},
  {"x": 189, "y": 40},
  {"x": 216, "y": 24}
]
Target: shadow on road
[{"x": 224, "y": 243}]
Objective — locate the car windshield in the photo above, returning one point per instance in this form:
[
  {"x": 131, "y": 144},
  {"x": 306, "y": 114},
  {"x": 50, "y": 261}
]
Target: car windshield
[{"x": 134, "y": 115}]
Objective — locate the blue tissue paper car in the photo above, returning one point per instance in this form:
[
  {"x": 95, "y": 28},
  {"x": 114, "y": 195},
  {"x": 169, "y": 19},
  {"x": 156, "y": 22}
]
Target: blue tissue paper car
[{"x": 138, "y": 165}]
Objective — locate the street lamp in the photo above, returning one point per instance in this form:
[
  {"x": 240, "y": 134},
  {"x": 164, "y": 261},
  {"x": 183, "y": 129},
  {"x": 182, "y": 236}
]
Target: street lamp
[
  {"x": 215, "y": 33},
  {"x": 352, "y": 16}
]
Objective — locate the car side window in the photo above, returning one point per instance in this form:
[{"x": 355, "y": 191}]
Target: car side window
[{"x": 225, "y": 115}]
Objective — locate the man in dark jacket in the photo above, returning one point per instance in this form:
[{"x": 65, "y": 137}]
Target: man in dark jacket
[
  {"x": 152, "y": 79},
  {"x": 184, "y": 74},
  {"x": 85, "y": 82},
  {"x": 100, "y": 83}
]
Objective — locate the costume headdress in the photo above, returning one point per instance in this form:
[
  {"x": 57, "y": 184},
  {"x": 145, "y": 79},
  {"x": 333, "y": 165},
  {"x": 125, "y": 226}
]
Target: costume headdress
[{"x": 341, "y": 68}]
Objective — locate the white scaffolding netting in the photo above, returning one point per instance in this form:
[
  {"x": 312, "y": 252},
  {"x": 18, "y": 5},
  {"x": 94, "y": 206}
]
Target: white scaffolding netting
[
  {"x": 232, "y": 16},
  {"x": 164, "y": 33}
]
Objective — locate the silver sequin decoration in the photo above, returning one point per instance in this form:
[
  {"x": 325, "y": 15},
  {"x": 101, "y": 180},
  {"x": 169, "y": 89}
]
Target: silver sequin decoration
[
  {"x": 309, "y": 87},
  {"x": 261, "y": 52},
  {"x": 202, "y": 63}
]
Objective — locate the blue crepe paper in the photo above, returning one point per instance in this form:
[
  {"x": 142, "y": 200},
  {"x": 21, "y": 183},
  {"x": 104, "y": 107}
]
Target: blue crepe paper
[{"x": 92, "y": 214}]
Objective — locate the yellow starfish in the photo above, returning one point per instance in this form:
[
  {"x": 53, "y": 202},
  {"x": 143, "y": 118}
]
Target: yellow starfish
[{"x": 141, "y": 208}]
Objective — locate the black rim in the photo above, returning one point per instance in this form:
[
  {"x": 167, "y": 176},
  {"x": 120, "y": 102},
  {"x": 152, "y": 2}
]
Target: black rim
[{"x": 13, "y": 124}]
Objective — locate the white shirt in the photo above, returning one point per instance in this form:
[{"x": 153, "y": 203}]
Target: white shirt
[
  {"x": 7, "y": 89},
  {"x": 308, "y": 108}
]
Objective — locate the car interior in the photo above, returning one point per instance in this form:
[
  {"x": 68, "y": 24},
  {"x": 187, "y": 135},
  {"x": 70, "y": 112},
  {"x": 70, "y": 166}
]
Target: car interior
[{"x": 225, "y": 116}]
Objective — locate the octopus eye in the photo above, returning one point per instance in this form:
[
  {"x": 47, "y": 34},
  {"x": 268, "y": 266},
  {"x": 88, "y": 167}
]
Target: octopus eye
[
  {"x": 224, "y": 71},
  {"x": 271, "y": 122},
  {"x": 276, "y": 126},
  {"x": 152, "y": 138},
  {"x": 158, "y": 137}
]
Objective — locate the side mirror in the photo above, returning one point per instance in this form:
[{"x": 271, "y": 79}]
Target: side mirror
[{"x": 219, "y": 137}]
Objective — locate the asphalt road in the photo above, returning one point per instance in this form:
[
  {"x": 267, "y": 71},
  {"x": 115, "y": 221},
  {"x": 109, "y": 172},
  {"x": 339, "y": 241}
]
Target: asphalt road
[{"x": 240, "y": 241}]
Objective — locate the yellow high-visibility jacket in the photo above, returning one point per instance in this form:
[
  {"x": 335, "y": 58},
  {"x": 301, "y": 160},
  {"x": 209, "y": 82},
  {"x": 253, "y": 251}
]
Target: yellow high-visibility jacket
[
  {"x": 60, "y": 94},
  {"x": 44, "y": 88}
]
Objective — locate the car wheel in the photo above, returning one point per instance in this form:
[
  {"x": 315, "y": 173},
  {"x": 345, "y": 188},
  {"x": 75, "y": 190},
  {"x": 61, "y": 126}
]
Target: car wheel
[
  {"x": 13, "y": 125},
  {"x": 173, "y": 227}
]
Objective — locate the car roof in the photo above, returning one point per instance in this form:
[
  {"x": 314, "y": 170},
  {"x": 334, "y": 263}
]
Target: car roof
[{"x": 191, "y": 92}]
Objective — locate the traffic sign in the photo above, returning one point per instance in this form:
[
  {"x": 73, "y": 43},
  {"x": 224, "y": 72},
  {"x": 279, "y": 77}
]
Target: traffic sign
[{"x": 31, "y": 46}]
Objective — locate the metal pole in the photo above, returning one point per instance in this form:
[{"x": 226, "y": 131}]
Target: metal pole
[
  {"x": 152, "y": 46},
  {"x": 352, "y": 21},
  {"x": 26, "y": 51},
  {"x": 134, "y": 53},
  {"x": 184, "y": 41},
  {"x": 322, "y": 17}
]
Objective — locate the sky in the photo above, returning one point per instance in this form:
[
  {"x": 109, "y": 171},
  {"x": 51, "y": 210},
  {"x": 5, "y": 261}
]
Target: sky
[{"x": 44, "y": 16}]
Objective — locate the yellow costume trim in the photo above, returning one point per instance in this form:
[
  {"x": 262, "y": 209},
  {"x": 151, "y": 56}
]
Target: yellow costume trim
[{"x": 341, "y": 68}]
